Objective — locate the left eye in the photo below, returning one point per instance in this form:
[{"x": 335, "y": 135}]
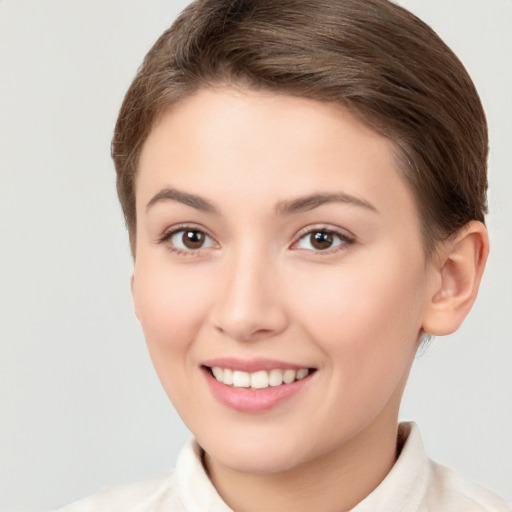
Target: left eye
[
  {"x": 321, "y": 240},
  {"x": 190, "y": 240}
]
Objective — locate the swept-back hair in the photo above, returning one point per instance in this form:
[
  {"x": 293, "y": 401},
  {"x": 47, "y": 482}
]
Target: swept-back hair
[{"x": 373, "y": 57}]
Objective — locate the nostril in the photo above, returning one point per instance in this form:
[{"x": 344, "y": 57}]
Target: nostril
[{"x": 244, "y": 331}]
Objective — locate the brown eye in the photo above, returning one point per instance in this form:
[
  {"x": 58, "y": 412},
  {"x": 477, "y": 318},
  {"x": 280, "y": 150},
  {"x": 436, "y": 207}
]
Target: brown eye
[
  {"x": 321, "y": 240},
  {"x": 189, "y": 240},
  {"x": 193, "y": 239},
  {"x": 327, "y": 240}
]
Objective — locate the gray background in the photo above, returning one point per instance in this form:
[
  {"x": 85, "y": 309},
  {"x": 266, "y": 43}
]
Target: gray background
[{"x": 80, "y": 406}]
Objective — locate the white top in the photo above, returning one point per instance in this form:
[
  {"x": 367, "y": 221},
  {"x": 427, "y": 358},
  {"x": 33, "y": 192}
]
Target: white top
[{"x": 414, "y": 484}]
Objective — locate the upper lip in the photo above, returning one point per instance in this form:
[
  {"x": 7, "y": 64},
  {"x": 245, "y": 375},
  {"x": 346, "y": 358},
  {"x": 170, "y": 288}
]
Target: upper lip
[{"x": 251, "y": 365}]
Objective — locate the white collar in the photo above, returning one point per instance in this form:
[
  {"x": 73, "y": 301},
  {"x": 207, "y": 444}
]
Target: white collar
[
  {"x": 403, "y": 489},
  {"x": 405, "y": 486}
]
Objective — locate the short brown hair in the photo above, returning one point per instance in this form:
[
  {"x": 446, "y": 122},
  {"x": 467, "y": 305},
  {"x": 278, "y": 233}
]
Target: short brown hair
[{"x": 375, "y": 58}]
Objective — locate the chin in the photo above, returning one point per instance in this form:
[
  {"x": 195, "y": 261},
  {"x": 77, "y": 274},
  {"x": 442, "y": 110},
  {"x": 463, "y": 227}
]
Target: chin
[
  {"x": 256, "y": 456},
  {"x": 263, "y": 465}
]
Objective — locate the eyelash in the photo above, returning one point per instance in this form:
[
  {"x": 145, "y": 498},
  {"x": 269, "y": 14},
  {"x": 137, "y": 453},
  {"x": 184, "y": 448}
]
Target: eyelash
[
  {"x": 345, "y": 240},
  {"x": 167, "y": 235}
]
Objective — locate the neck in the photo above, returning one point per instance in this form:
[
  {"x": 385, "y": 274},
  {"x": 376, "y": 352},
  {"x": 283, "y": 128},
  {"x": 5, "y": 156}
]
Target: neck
[{"x": 334, "y": 482}]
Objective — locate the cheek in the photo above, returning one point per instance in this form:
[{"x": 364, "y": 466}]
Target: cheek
[
  {"x": 171, "y": 305},
  {"x": 366, "y": 325},
  {"x": 366, "y": 319}
]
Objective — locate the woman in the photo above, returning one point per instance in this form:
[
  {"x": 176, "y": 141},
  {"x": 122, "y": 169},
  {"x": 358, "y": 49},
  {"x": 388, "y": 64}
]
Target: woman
[{"x": 304, "y": 186}]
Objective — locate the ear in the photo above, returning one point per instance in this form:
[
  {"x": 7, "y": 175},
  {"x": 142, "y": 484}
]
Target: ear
[{"x": 459, "y": 266}]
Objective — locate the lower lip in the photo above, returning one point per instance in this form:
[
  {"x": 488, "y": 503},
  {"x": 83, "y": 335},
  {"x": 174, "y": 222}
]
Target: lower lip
[{"x": 253, "y": 400}]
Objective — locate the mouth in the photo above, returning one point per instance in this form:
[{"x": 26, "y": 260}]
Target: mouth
[
  {"x": 260, "y": 379},
  {"x": 255, "y": 386}
]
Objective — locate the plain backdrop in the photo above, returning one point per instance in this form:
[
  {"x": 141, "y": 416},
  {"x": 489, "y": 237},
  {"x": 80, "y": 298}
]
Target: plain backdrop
[{"x": 80, "y": 406}]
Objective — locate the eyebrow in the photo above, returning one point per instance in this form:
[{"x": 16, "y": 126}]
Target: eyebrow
[
  {"x": 306, "y": 203},
  {"x": 171, "y": 194},
  {"x": 288, "y": 207}
]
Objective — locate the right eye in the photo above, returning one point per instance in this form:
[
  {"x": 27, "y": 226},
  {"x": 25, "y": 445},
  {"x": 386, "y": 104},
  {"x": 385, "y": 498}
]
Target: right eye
[{"x": 188, "y": 240}]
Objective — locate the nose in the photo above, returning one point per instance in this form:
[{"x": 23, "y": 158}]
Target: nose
[{"x": 250, "y": 305}]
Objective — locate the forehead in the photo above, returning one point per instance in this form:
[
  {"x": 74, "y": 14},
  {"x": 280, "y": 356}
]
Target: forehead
[{"x": 258, "y": 147}]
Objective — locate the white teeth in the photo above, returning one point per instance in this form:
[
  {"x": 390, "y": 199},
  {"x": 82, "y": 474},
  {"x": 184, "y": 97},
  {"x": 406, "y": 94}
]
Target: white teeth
[
  {"x": 227, "y": 378},
  {"x": 303, "y": 372},
  {"x": 289, "y": 376},
  {"x": 241, "y": 379},
  {"x": 218, "y": 373},
  {"x": 275, "y": 377},
  {"x": 260, "y": 379}
]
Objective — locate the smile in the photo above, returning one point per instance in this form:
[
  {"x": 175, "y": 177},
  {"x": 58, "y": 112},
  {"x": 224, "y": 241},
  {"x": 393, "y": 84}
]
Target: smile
[
  {"x": 258, "y": 380},
  {"x": 255, "y": 386}
]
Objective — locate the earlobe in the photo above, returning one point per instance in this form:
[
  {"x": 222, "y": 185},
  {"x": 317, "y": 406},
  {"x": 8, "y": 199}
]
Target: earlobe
[{"x": 460, "y": 265}]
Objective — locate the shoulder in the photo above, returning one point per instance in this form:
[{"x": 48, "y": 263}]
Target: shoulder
[
  {"x": 150, "y": 495},
  {"x": 184, "y": 489},
  {"x": 416, "y": 483},
  {"x": 449, "y": 489}
]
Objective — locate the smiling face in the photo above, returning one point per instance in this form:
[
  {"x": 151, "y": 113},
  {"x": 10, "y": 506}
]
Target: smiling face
[{"x": 276, "y": 240}]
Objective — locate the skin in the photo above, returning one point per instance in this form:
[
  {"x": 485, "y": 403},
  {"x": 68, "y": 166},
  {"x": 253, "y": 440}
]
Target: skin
[{"x": 258, "y": 288}]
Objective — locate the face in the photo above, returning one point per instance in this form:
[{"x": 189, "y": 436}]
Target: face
[{"x": 280, "y": 276}]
